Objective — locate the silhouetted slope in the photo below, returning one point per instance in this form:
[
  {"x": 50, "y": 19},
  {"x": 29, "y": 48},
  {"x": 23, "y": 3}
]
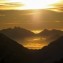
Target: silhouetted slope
[
  {"x": 17, "y": 34},
  {"x": 12, "y": 52},
  {"x": 51, "y": 35},
  {"x": 52, "y": 52}
]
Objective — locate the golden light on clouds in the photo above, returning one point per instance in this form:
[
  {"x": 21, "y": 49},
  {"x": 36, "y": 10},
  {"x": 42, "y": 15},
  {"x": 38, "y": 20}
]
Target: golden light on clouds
[
  {"x": 43, "y": 14},
  {"x": 34, "y": 43},
  {"x": 9, "y": 6},
  {"x": 36, "y": 31},
  {"x": 38, "y": 4},
  {"x": 28, "y": 4}
]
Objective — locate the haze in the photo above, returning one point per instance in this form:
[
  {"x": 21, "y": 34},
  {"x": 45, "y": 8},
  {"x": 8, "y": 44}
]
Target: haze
[{"x": 16, "y": 13}]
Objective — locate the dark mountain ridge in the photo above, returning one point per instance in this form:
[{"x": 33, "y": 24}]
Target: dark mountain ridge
[
  {"x": 52, "y": 52},
  {"x": 18, "y": 34},
  {"x": 11, "y": 51},
  {"x": 51, "y": 35}
]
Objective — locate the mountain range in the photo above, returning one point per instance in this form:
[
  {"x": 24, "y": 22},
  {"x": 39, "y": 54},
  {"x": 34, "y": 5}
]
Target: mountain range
[
  {"x": 19, "y": 34},
  {"x": 51, "y": 35},
  {"x": 12, "y": 52}
]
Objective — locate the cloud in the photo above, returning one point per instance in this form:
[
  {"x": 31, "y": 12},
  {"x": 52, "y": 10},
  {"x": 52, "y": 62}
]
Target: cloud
[
  {"x": 57, "y": 7},
  {"x": 13, "y": 5}
]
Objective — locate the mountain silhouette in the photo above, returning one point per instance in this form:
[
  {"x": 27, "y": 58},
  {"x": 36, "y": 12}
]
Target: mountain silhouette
[
  {"x": 12, "y": 52},
  {"x": 51, "y": 35},
  {"x": 52, "y": 52},
  {"x": 18, "y": 34}
]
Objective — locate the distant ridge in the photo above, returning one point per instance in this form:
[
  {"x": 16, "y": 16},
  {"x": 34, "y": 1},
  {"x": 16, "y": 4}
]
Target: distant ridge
[
  {"x": 51, "y": 35},
  {"x": 20, "y": 34},
  {"x": 17, "y": 33}
]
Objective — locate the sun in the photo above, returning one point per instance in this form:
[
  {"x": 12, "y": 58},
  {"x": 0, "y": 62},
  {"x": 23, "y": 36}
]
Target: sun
[{"x": 35, "y": 4}]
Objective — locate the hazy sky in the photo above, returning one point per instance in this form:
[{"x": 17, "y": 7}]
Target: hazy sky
[{"x": 51, "y": 18}]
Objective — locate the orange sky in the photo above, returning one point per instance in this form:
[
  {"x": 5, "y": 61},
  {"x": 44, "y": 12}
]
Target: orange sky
[
  {"x": 15, "y": 4},
  {"x": 31, "y": 19}
]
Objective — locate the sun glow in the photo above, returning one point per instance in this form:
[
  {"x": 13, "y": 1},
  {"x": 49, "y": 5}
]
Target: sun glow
[
  {"x": 34, "y": 43},
  {"x": 35, "y": 4},
  {"x": 36, "y": 31}
]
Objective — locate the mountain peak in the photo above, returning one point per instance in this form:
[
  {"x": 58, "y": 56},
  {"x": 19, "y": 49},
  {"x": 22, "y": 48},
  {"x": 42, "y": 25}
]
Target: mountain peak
[{"x": 17, "y": 33}]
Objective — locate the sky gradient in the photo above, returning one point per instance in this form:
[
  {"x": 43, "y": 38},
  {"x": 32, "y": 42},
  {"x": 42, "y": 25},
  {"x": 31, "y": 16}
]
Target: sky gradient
[{"x": 11, "y": 16}]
